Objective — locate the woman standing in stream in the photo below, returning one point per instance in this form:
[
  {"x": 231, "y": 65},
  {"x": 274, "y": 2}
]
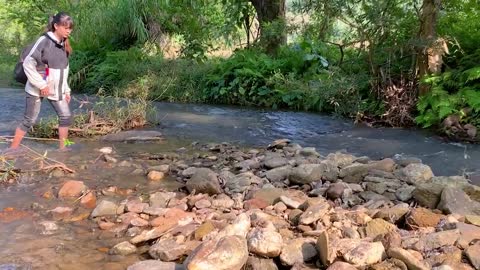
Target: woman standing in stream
[{"x": 46, "y": 67}]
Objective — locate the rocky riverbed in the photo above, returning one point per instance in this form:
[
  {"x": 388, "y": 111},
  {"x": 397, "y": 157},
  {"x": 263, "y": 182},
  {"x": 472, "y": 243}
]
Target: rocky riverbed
[{"x": 283, "y": 206}]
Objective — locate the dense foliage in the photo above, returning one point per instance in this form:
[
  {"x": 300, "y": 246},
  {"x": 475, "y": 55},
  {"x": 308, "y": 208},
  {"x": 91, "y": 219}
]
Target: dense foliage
[{"x": 356, "y": 59}]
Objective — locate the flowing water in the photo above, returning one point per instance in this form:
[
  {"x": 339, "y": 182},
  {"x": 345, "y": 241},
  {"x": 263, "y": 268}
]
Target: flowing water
[{"x": 80, "y": 245}]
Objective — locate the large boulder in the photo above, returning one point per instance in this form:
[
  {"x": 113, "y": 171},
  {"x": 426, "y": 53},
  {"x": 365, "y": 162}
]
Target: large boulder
[
  {"x": 415, "y": 173},
  {"x": 204, "y": 181},
  {"x": 226, "y": 253},
  {"x": 456, "y": 201}
]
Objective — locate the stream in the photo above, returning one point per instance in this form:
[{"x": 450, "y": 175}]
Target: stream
[{"x": 81, "y": 245}]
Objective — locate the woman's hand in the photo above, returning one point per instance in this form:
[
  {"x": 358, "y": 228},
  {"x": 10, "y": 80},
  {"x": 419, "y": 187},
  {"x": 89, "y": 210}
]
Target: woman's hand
[
  {"x": 44, "y": 91},
  {"x": 67, "y": 98}
]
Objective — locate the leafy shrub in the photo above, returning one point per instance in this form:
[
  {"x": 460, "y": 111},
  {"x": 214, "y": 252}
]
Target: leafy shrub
[{"x": 451, "y": 93}]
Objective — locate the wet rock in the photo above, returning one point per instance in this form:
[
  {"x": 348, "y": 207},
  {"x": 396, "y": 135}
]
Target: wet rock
[
  {"x": 279, "y": 144},
  {"x": 48, "y": 227},
  {"x": 71, "y": 189},
  {"x": 254, "y": 263},
  {"x": 405, "y": 193},
  {"x": 298, "y": 251},
  {"x": 335, "y": 191},
  {"x": 105, "y": 208},
  {"x": 278, "y": 174},
  {"x": 123, "y": 248},
  {"x": 265, "y": 242},
  {"x": 422, "y": 217},
  {"x": 405, "y": 161},
  {"x": 416, "y": 173},
  {"x": 204, "y": 181},
  {"x": 410, "y": 260},
  {"x": 428, "y": 194},
  {"x": 165, "y": 168},
  {"x": 155, "y": 265},
  {"x": 133, "y": 136},
  {"x": 155, "y": 176},
  {"x": 314, "y": 213},
  {"x": 378, "y": 227},
  {"x": 454, "y": 200},
  {"x": 226, "y": 253},
  {"x": 341, "y": 266},
  {"x": 473, "y": 255},
  {"x": 307, "y": 173},
  {"x": 89, "y": 201},
  {"x": 60, "y": 213},
  {"x": 365, "y": 254}
]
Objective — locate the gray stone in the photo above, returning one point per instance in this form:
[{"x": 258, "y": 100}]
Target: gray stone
[
  {"x": 133, "y": 135},
  {"x": 161, "y": 199},
  {"x": 455, "y": 200},
  {"x": 240, "y": 182},
  {"x": 309, "y": 151},
  {"x": 416, "y": 173},
  {"x": 335, "y": 191},
  {"x": 279, "y": 174},
  {"x": 378, "y": 188},
  {"x": 204, "y": 181},
  {"x": 105, "y": 208},
  {"x": 307, "y": 173},
  {"x": 274, "y": 161},
  {"x": 340, "y": 159},
  {"x": 437, "y": 240},
  {"x": 428, "y": 194},
  {"x": 404, "y": 193}
]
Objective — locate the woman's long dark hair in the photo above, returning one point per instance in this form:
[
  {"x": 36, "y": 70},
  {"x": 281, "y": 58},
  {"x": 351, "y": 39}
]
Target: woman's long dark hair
[{"x": 63, "y": 19}]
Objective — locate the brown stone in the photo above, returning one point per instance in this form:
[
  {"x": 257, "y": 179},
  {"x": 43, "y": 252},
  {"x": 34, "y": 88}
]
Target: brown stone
[
  {"x": 255, "y": 204},
  {"x": 72, "y": 188},
  {"x": 422, "y": 217},
  {"x": 89, "y": 201}
]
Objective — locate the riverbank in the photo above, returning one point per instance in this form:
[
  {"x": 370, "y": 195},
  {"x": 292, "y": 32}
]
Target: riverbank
[{"x": 277, "y": 207}]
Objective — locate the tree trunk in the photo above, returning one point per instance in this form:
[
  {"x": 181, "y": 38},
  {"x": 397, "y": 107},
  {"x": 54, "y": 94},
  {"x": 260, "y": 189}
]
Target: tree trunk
[
  {"x": 269, "y": 11},
  {"x": 431, "y": 49}
]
